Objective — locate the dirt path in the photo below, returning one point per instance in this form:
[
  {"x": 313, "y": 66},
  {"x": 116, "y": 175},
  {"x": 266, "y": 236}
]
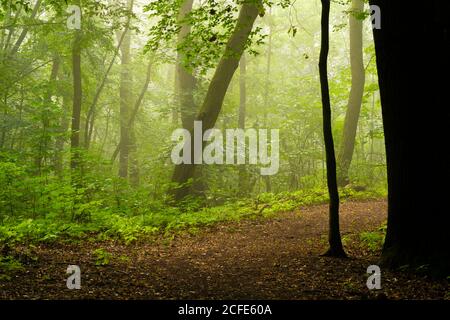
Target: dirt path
[{"x": 277, "y": 258}]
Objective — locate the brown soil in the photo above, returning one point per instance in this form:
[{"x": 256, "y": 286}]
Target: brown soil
[{"x": 276, "y": 258}]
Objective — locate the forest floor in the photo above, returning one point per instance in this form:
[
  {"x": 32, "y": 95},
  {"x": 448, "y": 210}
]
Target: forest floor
[{"x": 272, "y": 258}]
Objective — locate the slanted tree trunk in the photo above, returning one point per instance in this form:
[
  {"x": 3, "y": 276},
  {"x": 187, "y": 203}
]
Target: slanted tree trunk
[
  {"x": 90, "y": 119},
  {"x": 243, "y": 178},
  {"x": 25, "y": 30},
  {"x": 334, "y": 237},
  {"x": 137, "y": 105},
  {"x": 212, "y": 103},
  {"x": 412, "y": 60},
  {"x": 356, "y": 92}
]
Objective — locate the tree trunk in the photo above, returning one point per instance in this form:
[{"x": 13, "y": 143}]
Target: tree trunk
[
  {"x": 267, "y": 180},
  {"x": 77, "y": 100},
  {"x": 125, "y": 102},
  {"x": 61, "y": 138},
  {"x": 186, "y": 81},
  {"x": 134, "y": 161},
  {"x": 412, "y": 60},
  {"x": 136, "y": 107},
  {"x": 24, "y": 32},
  {"x": 212, "y": 103},
  {"x": 243, "y": 179},
  {"x": 334, "y": 237},
  {"x": 356, "y": 92},
  {"x": 44, "y": 141}
]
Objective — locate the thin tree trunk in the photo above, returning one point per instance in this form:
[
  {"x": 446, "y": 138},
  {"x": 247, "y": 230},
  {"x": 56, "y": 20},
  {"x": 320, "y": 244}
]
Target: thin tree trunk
[
  {"x": 334, "y": 237},
  {"x": 267, "y": 180},
  {"x": 356, "y": 93},
  {"x": 44, "y": 140},
  {"x": 61, "y": 138},
  {"x": 90, "y": 120},
  {"x": 134, "y": 161},
  {"x": 243, "y": 179},
  {"x": 136, "y": 107},
  {"x": 25, "y": 30},
  {"x": 213, "y": 101}
]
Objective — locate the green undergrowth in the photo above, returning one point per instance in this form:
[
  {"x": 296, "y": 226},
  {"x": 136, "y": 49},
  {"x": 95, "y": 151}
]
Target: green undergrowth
[{"x": 107, "y": 224}]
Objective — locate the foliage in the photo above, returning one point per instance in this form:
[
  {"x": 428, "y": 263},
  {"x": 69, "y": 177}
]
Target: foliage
[
  {"x": 374, "y": 240},
  {"x": 102, "y": 257},
  {"x": 9, "y": 265},
  {"x": 126, "y": 223}
]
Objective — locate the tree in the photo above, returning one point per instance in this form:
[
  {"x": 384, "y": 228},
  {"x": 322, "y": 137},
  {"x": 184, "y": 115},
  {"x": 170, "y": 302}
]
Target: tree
[
  {"x": 136, "y": 107},
  {"x": 334, "y": 237},
  {"x": 77, "y": 100},
  {"x": 412, "y": 60},
  {"x": 356, "y": 93},
  {"x": 125, "y": 100},
  {"x": 267, "y": 86},
  {"x": 44, "y": 140},
  {"x": 218, "y": 86},
  {"x": 243, "y": 185},
  {"x": 186, "y": 81}
]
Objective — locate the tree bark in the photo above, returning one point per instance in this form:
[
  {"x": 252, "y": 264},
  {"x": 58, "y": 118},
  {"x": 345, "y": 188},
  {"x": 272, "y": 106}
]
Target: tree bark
[
  {"x": 243, "y": 179},
  {"x": 412, "y": 60},
  {"x": 213, "y": 101},
  {"x": 334, "y": 237},
  {"x": 77, "y": 100},
  {"x": 356, "y": 93},
  {"x": 125, "y": 102},
  {"x": 186, "y": 80}
]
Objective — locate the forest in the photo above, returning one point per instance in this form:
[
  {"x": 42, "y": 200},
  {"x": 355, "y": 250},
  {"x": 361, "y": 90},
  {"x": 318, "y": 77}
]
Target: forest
[{"x": 224, "y": 149}]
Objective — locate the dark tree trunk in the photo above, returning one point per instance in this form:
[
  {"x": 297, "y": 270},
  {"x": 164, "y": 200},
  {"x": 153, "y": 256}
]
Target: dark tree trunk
[
  {"x": 334, "y": 237},
  {"x": 356, "y": 92},
  {"x": 413, "y": 59},
  {"x": 218, "y": 87}
]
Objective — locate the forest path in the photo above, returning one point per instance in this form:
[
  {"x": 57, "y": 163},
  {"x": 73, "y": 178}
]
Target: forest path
[{"x": 276, "y": 258}]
